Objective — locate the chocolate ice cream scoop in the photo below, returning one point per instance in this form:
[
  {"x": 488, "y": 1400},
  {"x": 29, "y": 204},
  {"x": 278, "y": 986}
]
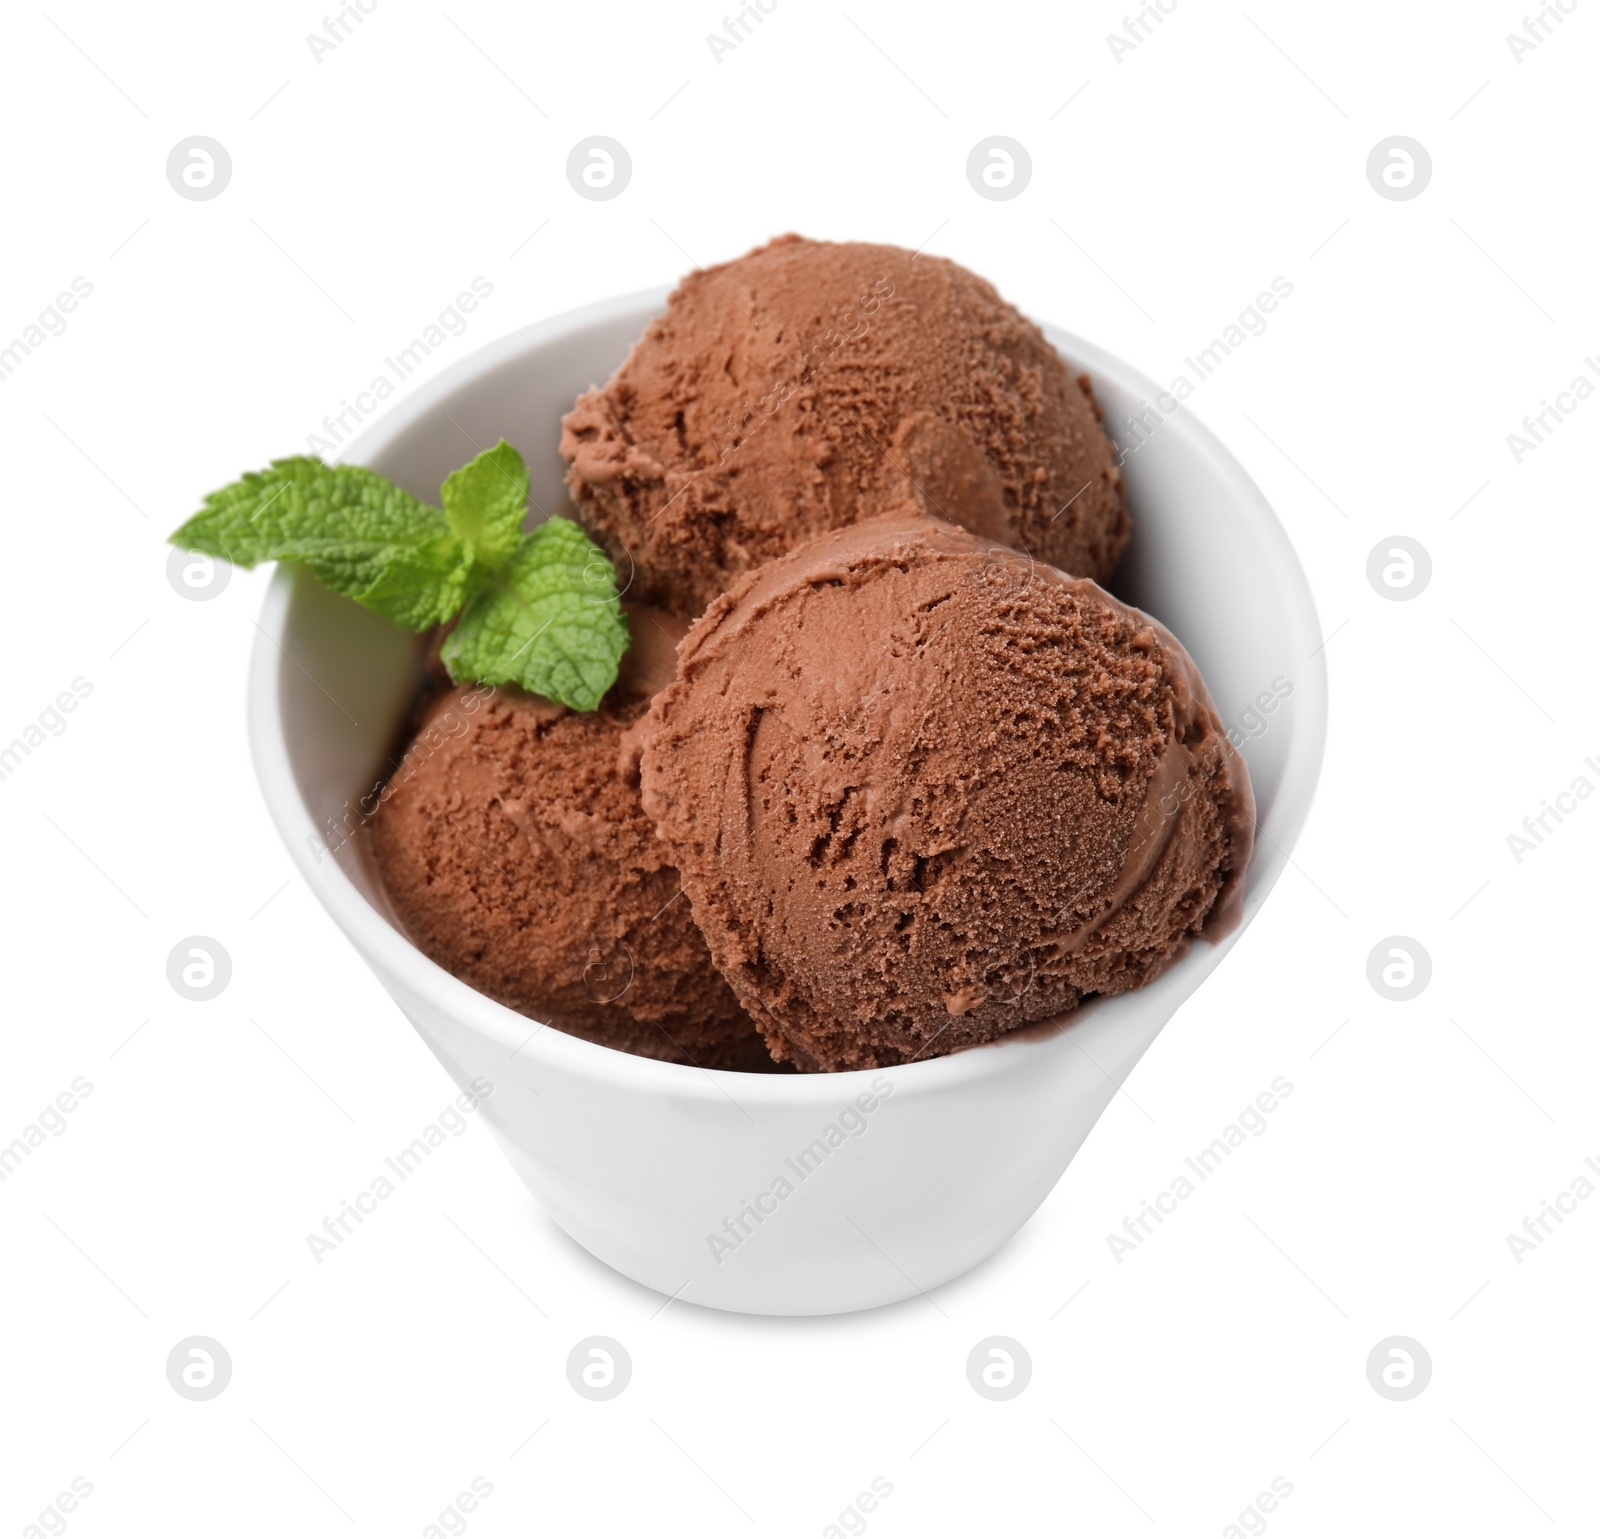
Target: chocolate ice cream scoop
[
  {"x": 794, "y": 390},
  {"x": 923, "y": 790},
  {"x": 514, "y": 850}
]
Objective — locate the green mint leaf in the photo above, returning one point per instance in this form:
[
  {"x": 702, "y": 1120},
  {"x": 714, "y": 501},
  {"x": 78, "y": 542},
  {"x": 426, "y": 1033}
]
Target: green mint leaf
[
  {"x": 301, "y": 501},
  {"x": 538, "y": 610},
  {"x": 416, "y": 588},
  {"x": 549, "y": 620},
  {"x": 486, "y": 501},
  {"x": 359, "y": 532}
]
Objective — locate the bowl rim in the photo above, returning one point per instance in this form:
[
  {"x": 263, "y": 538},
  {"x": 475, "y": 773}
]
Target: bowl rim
[{"x": 387, "y": 949}]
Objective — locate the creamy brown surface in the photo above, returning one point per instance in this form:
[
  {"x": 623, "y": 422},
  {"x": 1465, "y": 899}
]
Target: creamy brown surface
[
  {"x": 923, "y": 791},
  {"x": 514, "y": 850},
  {"x": 782, "y": 394}
]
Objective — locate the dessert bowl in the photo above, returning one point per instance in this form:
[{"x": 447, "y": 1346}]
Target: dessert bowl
[{"x": 785, "y": 1194}]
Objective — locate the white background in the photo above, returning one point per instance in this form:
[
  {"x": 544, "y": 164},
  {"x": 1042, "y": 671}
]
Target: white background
[{"x": 1168, "y": 1389}]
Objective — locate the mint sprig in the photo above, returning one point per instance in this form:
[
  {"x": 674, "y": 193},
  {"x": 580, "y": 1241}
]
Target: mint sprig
[
  {"x": 541, "y": 622},
  {"x": 485, "y": 502},
  {"x": 538, "y": 610},
  {"x": 358, "y": 531}
]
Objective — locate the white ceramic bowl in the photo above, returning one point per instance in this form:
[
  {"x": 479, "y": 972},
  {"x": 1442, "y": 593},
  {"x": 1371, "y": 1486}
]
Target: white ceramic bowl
[{"x": 915, "y": 1173}]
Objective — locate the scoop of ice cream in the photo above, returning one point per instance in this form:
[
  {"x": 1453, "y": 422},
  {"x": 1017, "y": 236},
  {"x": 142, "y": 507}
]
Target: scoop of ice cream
[
  {"x": 786, "y": 393},
  {"x": 514, "y": 850},
  {"x": 923, "y": 791}
]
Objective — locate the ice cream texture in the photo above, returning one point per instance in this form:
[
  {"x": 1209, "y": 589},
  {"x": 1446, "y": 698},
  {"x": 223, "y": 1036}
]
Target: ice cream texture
[
  {"x": 810, "y": 384},
  {"x": 514, "y": 850},
  {"x": 924, "y": 790}
]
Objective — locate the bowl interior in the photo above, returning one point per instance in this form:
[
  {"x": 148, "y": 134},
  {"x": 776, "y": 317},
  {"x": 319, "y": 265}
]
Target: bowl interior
[{"x": 1208, "y": 559}]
